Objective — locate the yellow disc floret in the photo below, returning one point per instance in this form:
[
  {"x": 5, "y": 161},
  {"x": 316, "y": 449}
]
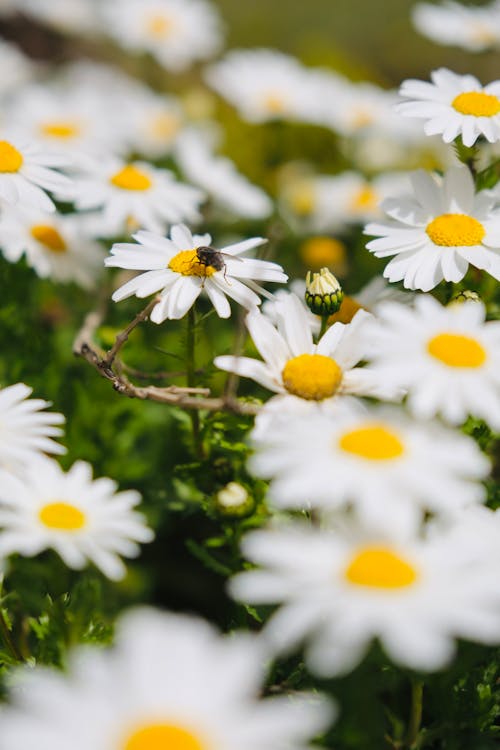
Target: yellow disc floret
[
  {"x": 380, "y": 567},
  {"x": 455, "y": 230},
  {"x": 275, "y": 103},
  {"x": 62, "y": 516},
  {"x": 312, "y": 376},
  {"x": 456, "y": 350},
  {"x": 317, "y": 252},
  {"x": 348, "y": 310},
  {"x": 131, "y": 178},
  {"x": 63, "y": 130},
  {"x": 49, "y": 237},
  {"x": 159, "y": 25},
  {"x": 476, "y": 103},
  {"x": 187, "y": 263},
  {"x": 365, "y": 199},
  {"x": 372, "y": 441},
  {"x": 11, "y": 160},
  {"x": 162, "y": 737}
]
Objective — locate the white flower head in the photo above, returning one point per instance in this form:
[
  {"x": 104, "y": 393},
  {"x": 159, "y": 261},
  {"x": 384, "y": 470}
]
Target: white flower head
[
  {"x": 295, "y": 366},
  {"x": 171, "y": 681},
  {"x": 447, "y": 358},
  {"x": 135, "y": 195},
  {"x": 176, "y": 32},
  {"x": 388, "y": 467},
  {"x": 17, "y": 69},
  {"x": 176, "y": 269},
  {"x": 472, "y": 28},
  {"x": 56, "y": 246},
  {"x": 81, "y": 519},
  {"x": 26, "y": 430},
  {"x": 436, "y": 233},
  {"x": 454, "y": 105},
  {"x": 27, "y": 171},
  {"x": 339, "y": 588}
]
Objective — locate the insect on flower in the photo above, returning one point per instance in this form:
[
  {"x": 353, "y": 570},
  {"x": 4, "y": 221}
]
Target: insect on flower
[{"x": 212, "y": 258}]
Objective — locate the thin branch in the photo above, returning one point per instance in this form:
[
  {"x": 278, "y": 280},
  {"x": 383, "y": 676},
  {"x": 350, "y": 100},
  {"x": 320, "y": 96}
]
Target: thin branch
[{"x": 122, "y": 337}]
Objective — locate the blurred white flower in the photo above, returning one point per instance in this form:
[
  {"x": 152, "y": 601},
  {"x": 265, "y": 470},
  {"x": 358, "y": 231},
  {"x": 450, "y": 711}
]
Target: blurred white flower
[
  {"x": 56, "y": 246},
  {"x": 81, "y": 519},
  {"x": 176, "y": 32},
  {"x": 17, "y": 69},
  {"x": 437, "y": 232},
  {"x": 175, "y": 269},
  {"x": 454, "y": 105},
  {"x": 26, "y": 430},
  {"x": 71, "y": 16},
  {"x": 342, "y": 587},
  {"x": 447, "y": 357},
  {"x": 473, "y": 28},
  {"x": 153, "y": 122}
]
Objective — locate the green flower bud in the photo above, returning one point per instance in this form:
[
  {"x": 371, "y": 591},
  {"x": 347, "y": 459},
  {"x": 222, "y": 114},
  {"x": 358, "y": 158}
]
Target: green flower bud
[
  {"x": 467, "y": 295},
  {"x": 324, "y": 294},
  {"x": 233, "y": 500}
]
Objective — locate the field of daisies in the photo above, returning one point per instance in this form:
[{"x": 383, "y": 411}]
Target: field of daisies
[{"x": 249, "y": 376}]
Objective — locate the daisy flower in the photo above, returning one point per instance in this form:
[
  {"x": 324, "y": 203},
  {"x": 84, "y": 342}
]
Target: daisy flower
[
  {"x": 173, "y": 268},
  {"x": 171, "y": 681},
  {"x": 438, "y": 231},
  {"x": 25, "y": 429},
  {"x": 17, "y": 69},
  {"x": 339, "y": 588},
  {"x": 135, "y": 195},
  {"x": 447, "y": 358},
  {"x": 473, "y": 29},
  {"x": 27, "y": 171},
  {"x": 454, "y": 105},
  {"x": 154, "y": 122},
  {"x": 176, "y": 32},
  {"x": 55, "y": 246},
  {"x": 391, "y": 468},
  {"x": 81, "y": 519},
  {"x": 294, "y": 365}
]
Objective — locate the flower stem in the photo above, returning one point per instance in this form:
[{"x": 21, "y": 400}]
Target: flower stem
[
  {"x": 191, "y": 378},
  {"x": 324, "y": 325},
  {"x": 7, "y": 639},
  {"x": 415, "y": 719}
]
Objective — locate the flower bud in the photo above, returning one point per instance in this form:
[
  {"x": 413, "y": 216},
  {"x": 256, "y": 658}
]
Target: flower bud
[
  {"x": 466, "y": 295},
  {"x": 234, "y": 500},
  {"x": 324, "y": 294}
]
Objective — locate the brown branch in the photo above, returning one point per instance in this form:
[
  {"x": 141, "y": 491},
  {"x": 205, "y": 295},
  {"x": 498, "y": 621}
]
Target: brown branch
[{"x": 186, "y": 398}]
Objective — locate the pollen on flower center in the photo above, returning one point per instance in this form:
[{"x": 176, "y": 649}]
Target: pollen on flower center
[
  {"x": 159, "y": 25},
  {"x": 187, "y": 263},
  {"x": 312, "y": 376},
  {"x": 49, "y": 237},
  {"x": 131, "y": 178},
  {"x": 374, "y": 442},
  {"x": 63, "y": 130},
  {"x": 62, "y": 516},
  {"x": 162, "y": 737},
  {"x": 379, "y": 567},
  {"x": 11, "y": 160},
  {"x": 456, "y": 350},
  {"x": 476, "y": 103},
  {"x": 455, "y": 230}
]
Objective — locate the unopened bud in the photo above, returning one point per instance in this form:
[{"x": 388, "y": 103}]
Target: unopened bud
[
  {"x": 324, "y": 294},
  {"x": 234, "y": 500},
  {"x": 467, "y": 295}
]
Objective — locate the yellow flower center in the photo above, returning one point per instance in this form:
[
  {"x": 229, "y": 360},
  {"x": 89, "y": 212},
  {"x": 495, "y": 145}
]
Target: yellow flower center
[
  {"x": 187, "y": 264},
  {"x": 381, "y": 568},
  {"x": 374, "y": 442},
  {"x": 159, "y": 25},
  {"x": 312, "y": 376},
  {"x": 49, "y": 237},
  {"x": 11, "y": 160},
  {"x": 302, "y": 198},
  {"x": 348, "y": 309},
  {"x": 131, "y": 178},
  {"x": 275, "y": 103},
  {"x": 455, "y": 230},
  {"x": 476, "y": 103},
  {"x": 456, "y": 350},
  {"x": 318, "y": 252},
  {"x": 162, "y": 737},
  {"x": 62, "y": 516},
  {"x": 64, "y": 130},
  {"x": 361, "y": 118},
  {"x": 164, "y": 126},
  {"x": 366, "y": 199}
]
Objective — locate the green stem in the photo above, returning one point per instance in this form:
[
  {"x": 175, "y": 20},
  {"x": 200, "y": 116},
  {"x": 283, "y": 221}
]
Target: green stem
[
  {"x": 324, "y": 325},
  {"x": 5, "y": 632},
  {"x": 191, "y": 379},
  {"x": 415, "y": 719}
]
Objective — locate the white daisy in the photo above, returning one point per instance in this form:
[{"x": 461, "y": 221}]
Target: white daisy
[
  {"x": 135, "y": 195},
  {"x": 341, "y": 588},
  {"x": 17, "y": 69},
  {"x": 438, "y": 231},
  {"x": 27, "y": 171},
  {"x": 56, "y": 246},
  {"x": 218, "y": 176},
  {"x": 447, "y": 357},
  {"x": 472, "y": 28},
  {"x": 175, "y": 32},
  {"x": 25, "y": 429},
  {"x": 173, "y": 268},
  {"x": 389, "y": 467},
  {"x": 171, "y": 681},
  {"x": 294, "y": 365},
  {"x": 264, "y": 85},
  {"x": 454, "y": 105},
  {"x": 153, "y": 123},
  {"x": 83, "y": 520}
]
